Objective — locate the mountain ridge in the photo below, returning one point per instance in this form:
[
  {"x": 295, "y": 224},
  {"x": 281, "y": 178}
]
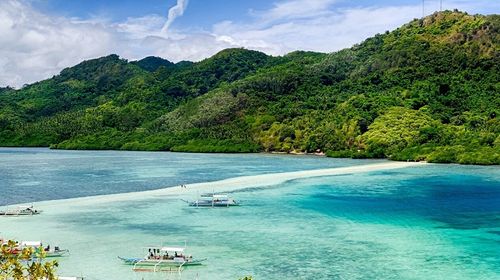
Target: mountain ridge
[{"x": 425, "y": 91}]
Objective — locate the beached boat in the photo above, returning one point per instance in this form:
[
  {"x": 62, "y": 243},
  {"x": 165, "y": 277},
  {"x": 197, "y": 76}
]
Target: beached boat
[
  {"x": 23, "y": 210},
  {"x": 214, "y": 200},
  {"x": 157, "y": 258},
  {"x": 49, "y": 252}
]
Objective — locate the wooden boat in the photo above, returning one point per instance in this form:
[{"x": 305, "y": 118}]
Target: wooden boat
[
  {"x": 158, "y": 258},
  {"x": 23, "y": 210},
  {"x": 214, "y": 200},
  {"x": 49, "y": 252}
]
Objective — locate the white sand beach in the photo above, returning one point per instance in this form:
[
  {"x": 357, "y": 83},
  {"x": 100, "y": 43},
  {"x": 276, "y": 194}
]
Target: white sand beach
[
  {"x": 379, "y": 212},
  {"x": 231, "y": 184}
]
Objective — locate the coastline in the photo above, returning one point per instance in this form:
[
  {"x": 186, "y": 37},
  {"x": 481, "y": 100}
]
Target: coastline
[
  {"x": 226, "y": 185},
  {"x": 290, "y": 153}
]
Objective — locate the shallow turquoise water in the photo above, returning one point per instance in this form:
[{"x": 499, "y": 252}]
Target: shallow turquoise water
[
  {"x": 67, "y": 174},
  {"x": 425, "y": 222}
]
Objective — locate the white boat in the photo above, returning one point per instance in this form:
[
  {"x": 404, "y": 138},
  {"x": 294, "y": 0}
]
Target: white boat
[
  {"x": 161, "y": 258},
  {"x": 49, "y": 252},
  {"x": 23, "y": 210},
  {"x": 214, "y": 200}
]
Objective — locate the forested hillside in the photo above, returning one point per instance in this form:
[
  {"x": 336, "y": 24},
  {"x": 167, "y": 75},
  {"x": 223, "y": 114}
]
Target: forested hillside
[{"x": 429, "y": 90}]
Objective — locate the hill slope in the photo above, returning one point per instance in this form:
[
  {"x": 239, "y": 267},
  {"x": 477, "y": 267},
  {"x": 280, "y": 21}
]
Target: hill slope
[{"x": 427, "y": 91}]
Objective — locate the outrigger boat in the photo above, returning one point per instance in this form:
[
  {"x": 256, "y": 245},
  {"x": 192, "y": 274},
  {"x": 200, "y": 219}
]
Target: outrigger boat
[
  {"x": 214, "y": 200},
  {"x": 24, "y": 210},
  {"x": 47, "y": 251},
  {"x": 161, "y": 258}
]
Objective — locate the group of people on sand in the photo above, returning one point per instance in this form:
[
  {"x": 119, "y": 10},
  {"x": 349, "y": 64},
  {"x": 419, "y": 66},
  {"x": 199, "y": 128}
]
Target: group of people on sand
[{"x": 184, "y": 186}]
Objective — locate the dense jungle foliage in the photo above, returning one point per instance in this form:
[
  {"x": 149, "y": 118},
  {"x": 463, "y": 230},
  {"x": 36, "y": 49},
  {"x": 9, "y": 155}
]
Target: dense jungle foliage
[{"x": 429, "y": 90}]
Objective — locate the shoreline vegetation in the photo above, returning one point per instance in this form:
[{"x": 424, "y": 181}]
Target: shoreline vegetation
[{"x": 427, "y": 91}]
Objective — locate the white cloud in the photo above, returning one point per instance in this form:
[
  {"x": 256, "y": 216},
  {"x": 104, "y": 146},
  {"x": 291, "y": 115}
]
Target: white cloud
[
  {"x": 35, "y": 46},
  {"x": 135, "y": 28},
  {"x": 326, "y": 31},
  {"x": 192, "y": 47},
  {"x": 295, "y": 9},
  {"x": 318, "y": 25},
  {"x": 173, "y": 13}
]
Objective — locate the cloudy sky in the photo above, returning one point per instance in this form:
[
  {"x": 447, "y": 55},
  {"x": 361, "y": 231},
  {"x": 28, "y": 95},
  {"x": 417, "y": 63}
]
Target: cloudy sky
[{"x": 38, "y": 38}]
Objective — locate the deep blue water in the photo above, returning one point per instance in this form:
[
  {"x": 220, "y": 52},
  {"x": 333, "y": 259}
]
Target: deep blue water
[
  {"x": 459, "y": 197},
  {"x": 37, "y": 174},
  {"x": 425, "y": 222}
]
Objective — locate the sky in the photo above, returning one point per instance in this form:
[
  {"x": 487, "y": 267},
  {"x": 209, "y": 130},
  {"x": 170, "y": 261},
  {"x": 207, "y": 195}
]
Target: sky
[{"x": 39, "y": 38}]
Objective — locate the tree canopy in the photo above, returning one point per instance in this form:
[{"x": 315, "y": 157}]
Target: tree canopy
[{"x": 428, "y": 90}]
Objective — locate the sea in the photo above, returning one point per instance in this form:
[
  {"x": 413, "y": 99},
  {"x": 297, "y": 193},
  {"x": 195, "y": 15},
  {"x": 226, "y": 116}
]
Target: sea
[{"x": 428, "y": 221}]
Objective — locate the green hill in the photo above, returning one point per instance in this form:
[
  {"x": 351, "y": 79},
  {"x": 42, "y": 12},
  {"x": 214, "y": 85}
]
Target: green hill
[
  {"x": 429, "y": 90},
  {"x": 152, "y": 63}
]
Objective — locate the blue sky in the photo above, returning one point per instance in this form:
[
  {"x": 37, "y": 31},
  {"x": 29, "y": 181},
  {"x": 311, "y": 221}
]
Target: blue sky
[
  {"x": 204, "y": 13},
  {"x": 201, "y": 13},
  {"x": 41, "y": 37}
]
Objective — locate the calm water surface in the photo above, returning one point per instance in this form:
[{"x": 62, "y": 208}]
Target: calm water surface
[
  {"x": 36, "y": 174},
  {"x": 425, "y": 222}
]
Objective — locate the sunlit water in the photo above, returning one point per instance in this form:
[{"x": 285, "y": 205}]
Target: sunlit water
[
  {"x": 34, "y": 174},
  {"x": 424, "y": 222}
]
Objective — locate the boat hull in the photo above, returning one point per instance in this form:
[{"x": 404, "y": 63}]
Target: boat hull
[
  {"x": 210, "y": 204},
  {"x": 19, "y": 214},
  {"x": 57, "y": 254},
  {"x": 138, "y": 262}
]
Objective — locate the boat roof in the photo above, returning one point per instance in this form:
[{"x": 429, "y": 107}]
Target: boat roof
[
  {"x": 215, "y": 195},
  {"x": 173, "y": 249},
  {"x": 31, "y": 243},
  {"x": 167, "y": 248}
]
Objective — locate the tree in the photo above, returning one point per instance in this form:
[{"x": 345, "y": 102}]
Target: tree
[{"x": 24, "y": 264}]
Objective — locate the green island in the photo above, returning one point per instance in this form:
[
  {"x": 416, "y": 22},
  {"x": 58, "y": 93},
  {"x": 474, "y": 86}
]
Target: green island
[{"x": 429, "y": 90}]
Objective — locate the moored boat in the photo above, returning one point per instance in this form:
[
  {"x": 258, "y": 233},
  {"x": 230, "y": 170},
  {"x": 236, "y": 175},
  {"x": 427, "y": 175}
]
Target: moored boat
[
  {"x": 48, "y": 251},
  {"x": 214, "y": 200},
  {"x": 158, "y": 257},
  {"x": 23, "y": 210}
]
